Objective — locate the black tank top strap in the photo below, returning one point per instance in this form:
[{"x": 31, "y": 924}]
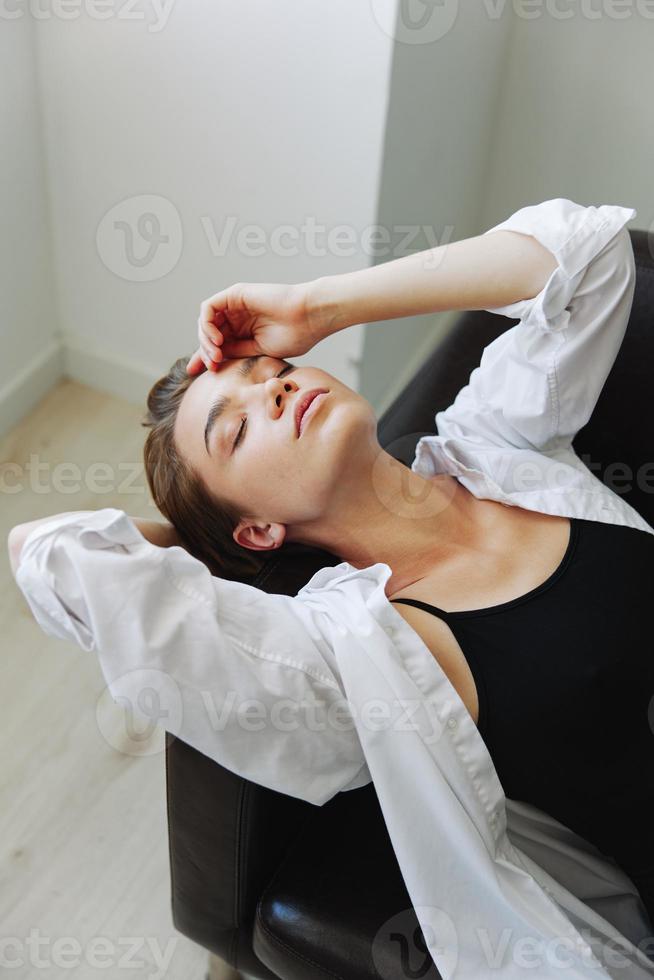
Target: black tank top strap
[
  {"x": 470, "y": 657},
  {"x": 419, "y": 604}
]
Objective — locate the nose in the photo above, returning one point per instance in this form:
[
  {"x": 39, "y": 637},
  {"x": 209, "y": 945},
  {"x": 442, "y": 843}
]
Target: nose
[{"x": 278, "y": 391}]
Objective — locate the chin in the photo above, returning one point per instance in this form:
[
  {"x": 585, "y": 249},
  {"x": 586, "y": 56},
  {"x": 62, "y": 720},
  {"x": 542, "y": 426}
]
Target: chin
[{"x": 352, "y": 438}]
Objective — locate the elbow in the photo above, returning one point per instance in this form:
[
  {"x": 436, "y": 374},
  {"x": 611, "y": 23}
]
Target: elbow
[{"x": 15, "y": 541}]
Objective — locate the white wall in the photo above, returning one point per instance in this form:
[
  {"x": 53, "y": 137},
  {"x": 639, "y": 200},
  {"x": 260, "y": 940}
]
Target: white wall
[
  {"x": 575, "y": 114},
  {"x": 443, "y": 104},
  {"x": 272, "y": 114},
  {"x": 265, "y": 112},
  {"x": 28, "y": 317},
  {"x": 510, "y": 110}
]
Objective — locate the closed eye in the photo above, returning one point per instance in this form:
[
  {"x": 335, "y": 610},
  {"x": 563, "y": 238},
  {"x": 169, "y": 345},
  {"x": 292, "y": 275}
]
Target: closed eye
[{"x": 239, "y": 437}]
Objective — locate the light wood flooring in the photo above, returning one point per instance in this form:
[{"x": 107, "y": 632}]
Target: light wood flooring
[{"x": 84, "y": 844}]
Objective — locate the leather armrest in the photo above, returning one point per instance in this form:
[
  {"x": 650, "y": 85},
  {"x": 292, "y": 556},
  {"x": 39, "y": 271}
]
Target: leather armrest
[
  {"x": 227, "y": 835},
  {"x": 226, "y": 838}
]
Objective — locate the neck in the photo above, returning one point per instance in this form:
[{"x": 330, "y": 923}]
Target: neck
[{"x": 389, "y": 514}]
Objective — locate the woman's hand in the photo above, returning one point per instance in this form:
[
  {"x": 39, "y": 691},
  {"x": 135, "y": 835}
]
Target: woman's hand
[{"x": 257, "y": 318}]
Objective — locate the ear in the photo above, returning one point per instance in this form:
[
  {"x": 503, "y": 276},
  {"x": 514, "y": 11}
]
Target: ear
[{"x": 259, "y": 537}]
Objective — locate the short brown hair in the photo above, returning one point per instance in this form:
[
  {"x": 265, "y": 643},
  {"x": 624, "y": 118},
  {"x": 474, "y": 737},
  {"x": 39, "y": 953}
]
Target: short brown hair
[{"x": 204, "y": 522}]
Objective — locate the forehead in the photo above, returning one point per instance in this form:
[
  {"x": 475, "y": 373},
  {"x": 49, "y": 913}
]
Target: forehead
[{"x": 200, "y": 396}]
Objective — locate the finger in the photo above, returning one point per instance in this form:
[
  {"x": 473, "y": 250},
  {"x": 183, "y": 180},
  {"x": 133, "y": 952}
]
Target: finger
[
  {"x": 195, "y": 364},
  {"x": 211, "y": 310},
  {"x": 209, "y": 330},
  {"x": 208, "y": 363},
  {"x": 205, "y": 362},
  {"x": 213, "y": 351},
  {"x": 240, "y": 348},
  {"x": 199, "y": 361}
]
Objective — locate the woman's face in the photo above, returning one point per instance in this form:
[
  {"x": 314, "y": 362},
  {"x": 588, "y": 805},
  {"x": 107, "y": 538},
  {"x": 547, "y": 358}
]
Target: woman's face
[{"x": 263, "y": 466}]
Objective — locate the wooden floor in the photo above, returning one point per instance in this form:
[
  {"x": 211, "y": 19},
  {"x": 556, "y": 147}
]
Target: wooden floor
[{"x": 84, "y": 845}]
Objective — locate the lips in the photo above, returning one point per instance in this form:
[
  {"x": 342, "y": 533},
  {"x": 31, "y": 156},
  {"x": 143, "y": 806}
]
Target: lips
[{"x": 304, "y": 403}]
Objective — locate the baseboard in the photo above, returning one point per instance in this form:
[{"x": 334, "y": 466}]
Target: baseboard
[
  {"x": 29, "y": 386},
  {"x": 70, "y": 357},
  {"x": 106, "y": 372}
]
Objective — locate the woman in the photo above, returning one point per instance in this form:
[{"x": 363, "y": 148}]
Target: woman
[{"x": 541, "y": 574}]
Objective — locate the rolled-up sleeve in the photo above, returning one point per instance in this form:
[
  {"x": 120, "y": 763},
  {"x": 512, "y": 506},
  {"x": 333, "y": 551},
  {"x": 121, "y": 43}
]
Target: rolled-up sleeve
[
  {"x": 538, "y": 382},
  {"x": 244, "y": 676}
]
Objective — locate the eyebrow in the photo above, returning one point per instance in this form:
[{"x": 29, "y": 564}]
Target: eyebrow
[{"x": 223, "y": 403}]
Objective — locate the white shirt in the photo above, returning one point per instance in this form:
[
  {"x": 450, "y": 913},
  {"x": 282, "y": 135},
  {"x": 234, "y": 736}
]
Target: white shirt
[{"x": 238, "y": 672}]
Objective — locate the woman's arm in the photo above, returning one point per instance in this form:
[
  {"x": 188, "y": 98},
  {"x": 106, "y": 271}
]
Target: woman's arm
[
  {"x": 159, "y": 533},
  {"x": 248, "y": 678},
  {"x": 537, "y": 383},
  {"x": 20, "y": 532},
  {"x": 472, "y": 274},
  {"x": 477, "y": 273}
]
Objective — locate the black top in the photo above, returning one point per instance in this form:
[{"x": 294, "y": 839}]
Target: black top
[{"x": 565, "y": 680}]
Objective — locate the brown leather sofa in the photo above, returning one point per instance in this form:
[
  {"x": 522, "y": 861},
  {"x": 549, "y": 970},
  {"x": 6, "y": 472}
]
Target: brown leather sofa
[{"x": 278, "y": 887}]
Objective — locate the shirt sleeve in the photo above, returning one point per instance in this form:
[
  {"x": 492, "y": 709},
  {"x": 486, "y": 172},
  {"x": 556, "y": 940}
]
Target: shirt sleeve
[
  {"x": 244, "y": 676},
  {"x": 538, "y": 382}
]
